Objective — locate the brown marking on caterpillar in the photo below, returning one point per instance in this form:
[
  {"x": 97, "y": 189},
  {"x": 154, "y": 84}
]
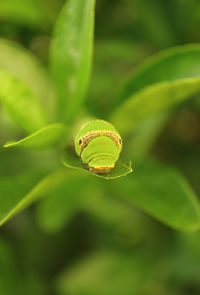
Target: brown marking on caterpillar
[{"x": 85, "y": 139}]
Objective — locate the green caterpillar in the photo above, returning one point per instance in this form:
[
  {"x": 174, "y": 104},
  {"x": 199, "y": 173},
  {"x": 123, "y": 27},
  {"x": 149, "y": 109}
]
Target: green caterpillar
[{"x": 99, "y": 145}]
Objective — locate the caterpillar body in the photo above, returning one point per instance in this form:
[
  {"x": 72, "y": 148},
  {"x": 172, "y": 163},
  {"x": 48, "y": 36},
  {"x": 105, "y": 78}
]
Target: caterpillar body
[{"x": 98, "y": 144}]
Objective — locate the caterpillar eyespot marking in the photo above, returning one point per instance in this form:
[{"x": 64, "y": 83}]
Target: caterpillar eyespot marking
[{"x": 98, "y": 144}]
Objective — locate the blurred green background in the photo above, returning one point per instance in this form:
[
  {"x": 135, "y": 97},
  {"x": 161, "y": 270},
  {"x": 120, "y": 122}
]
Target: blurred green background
[{"x": 107, "y": 247}]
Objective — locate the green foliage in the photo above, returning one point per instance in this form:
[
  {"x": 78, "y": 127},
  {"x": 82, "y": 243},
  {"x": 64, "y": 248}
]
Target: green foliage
[
  {"x": 20, "y": 102},
  {"x": 153, "y": 100},
  {"x": 15, "y": 59},
  {"x": 16, "y": 191},
  {"x": 26, "y": 189},
  {"x": 147, "y": 93},
  {"x": 173, "y": 64},
  {"x": 49, "y": 136},
  {"x": 71, "y": 52},
  {"x": 175, "y": 205},
  {"x": 83, "y": 234},
  {"x": 152, "y": 90}
]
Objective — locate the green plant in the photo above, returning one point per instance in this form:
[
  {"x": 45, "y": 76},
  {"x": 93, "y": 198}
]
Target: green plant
[
  {"x": 156, "y": 87},
  {"x": 134, "y": 230}
]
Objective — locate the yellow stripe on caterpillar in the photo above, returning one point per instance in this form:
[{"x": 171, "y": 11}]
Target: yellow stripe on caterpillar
[{"x": 86, "y": 138}]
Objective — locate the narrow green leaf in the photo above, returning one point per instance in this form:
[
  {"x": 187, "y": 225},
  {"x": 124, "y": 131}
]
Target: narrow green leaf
[
  {"x": 20, "y": 62},
  {"x": 120, "y": 169},
  {"x": 168, "y": 65},
  {"x": 71, "y": 51},
  {"x": 20, "y": 103},
  {"x": 163, "y": 193},
  {"x": 160, "y": 83},
  {"x": 49, "y": 136},
  {"x": 25, "y": 190},
  {"x": 153, "y": 100},
  {"x": 11, "y": 195}
]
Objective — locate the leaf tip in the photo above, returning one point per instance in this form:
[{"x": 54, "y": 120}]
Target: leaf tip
[{"x": 9, "y": 144}]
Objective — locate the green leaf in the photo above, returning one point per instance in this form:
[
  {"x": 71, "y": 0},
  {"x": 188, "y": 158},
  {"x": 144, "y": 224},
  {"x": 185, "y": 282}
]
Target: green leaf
[
  {"x": 153, "y": 100},
  {"x": 175, "y": 63},
  {"x": 162, "y": 192},
  {"x": 11, "y": 195},
  {"x": 20, "y": 103},
  {"x": 120, "y": 169},
  {"x": 18, "y": 61},
  {"x": 71, "y": 52},
  {"x": 25, "y": 190},
  {"x": 49, "y": 136},
  {"x": 158, "y": 85}
]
